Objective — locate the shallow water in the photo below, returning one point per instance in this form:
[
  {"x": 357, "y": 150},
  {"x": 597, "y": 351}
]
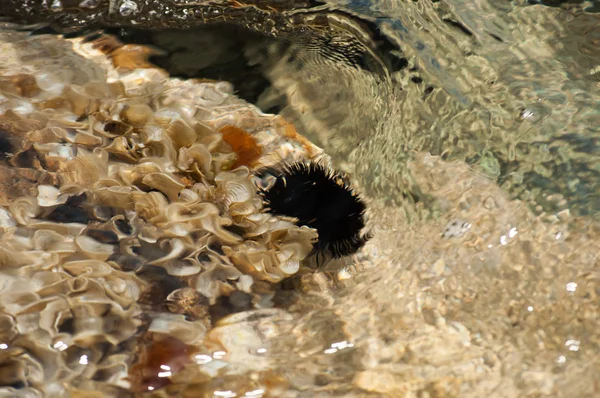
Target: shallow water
[
  {"x": 471, "y": 129},
  {"x": 513, "y": 91}
]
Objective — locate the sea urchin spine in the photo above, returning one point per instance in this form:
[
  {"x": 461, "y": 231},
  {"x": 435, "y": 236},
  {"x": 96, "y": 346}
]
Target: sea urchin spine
[{"x": 319, "y": 198}]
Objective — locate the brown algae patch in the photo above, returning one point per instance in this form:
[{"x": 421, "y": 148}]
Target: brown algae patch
[{"x": 243, "y": 144}]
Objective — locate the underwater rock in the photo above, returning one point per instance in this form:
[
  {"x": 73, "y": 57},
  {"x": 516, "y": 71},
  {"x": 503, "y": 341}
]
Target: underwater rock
[{"x": 152, "y": 220}]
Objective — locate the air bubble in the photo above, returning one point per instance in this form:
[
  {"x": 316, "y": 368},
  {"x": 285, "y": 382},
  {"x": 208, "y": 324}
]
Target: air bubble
[
  {"x": 56, "y": 6},
  {"x": 128, "y": 7}
]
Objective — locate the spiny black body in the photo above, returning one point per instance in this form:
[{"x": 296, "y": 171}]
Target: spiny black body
[{"x": 320, "y": 199}]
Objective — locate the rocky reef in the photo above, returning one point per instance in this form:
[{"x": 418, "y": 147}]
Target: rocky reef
[{"x": 129, "y": 211}]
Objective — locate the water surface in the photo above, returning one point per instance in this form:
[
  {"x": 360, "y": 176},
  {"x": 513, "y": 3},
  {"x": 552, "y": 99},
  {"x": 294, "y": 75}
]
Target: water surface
[{"x": 471, "y": 129}]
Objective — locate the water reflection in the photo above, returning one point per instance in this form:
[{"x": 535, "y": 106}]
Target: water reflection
[
  {"x": 203, "y": 359},
  {"x": 573, "y": 345},
  {"x": 255, "y": 393},
  {"x": 61, "y": 346},
  {"x": 225, "y": 394},
  {"x": 423, "y": 76}
]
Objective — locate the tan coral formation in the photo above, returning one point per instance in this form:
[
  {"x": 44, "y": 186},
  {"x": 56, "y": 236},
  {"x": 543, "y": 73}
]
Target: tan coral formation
[{"x": 161, "y": 168}]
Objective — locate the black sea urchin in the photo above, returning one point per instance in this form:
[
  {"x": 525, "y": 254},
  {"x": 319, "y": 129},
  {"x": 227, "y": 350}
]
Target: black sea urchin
[{"x": 321, "y": 199}]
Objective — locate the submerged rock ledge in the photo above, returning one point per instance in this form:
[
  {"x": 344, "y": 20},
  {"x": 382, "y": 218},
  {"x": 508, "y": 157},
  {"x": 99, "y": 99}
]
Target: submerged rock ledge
[{"x": 128, "y": 212}]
